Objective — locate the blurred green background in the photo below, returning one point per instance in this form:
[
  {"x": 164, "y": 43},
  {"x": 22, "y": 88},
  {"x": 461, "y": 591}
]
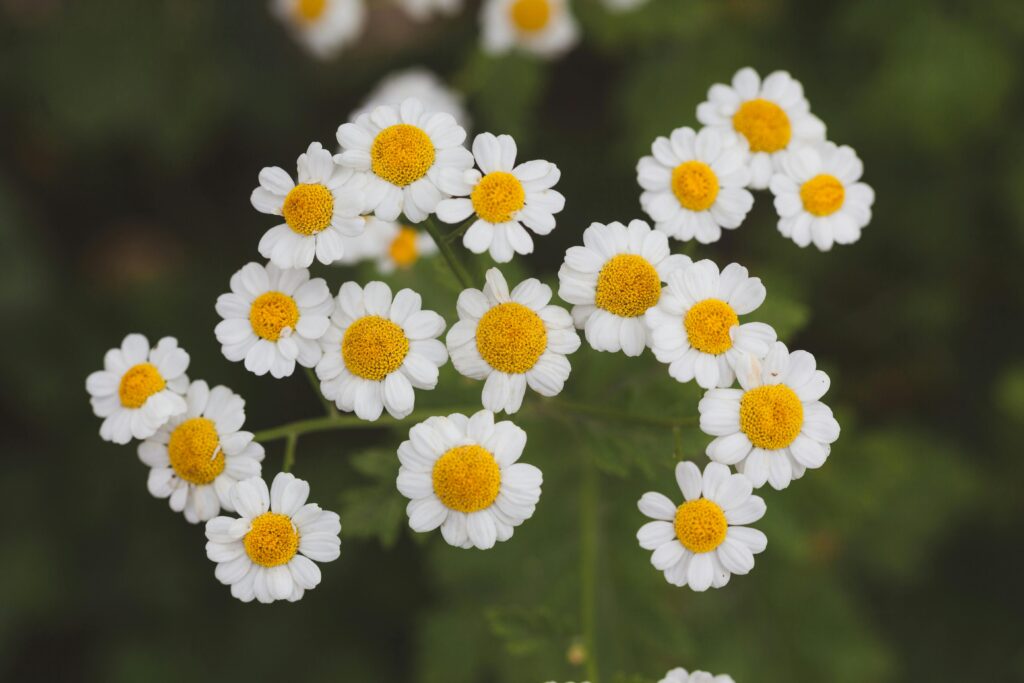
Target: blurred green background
[{"x": 132, "y": 134}]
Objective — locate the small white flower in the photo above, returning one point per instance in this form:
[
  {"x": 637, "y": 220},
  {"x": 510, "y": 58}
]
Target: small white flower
[
  {"x": 139, "y": 388},
  {"x": 504, "y": 196},
  {"x": 421, "y": 10},
  {"x": 273, "y": 318},
  {"x": 613, "y": 279},
  {"x": 703, "y": 542},
  {"x": 774, "y": 428},
  {"x": 323, "y": 27},
  {"x": 268, "y": 553},
  {"x": 318, "y": 212},
  {"x": 680, "y": 675},
  {"x": 460, "y": 473},
  {"x": 511, "y": 340},
  {"x": 545, "y": 28},
  {"x": 197, "y": 457},
  {"x": 392, "y": 246},
  {"x": 377, "y": 350},
  {"x": 419, "y": 83}
]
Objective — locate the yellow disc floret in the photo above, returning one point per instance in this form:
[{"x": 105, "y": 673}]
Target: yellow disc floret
[
  {"x": 374, "y": 347},
  {"x": 139, "y": 383},
  {"x": 309, "y": 10},
  {"x": 194, "y": 451},
  {"x": 530, "y": 15},
  {"x": 401, "y": 154},
  {"x": 511, "y": 338},
  {"x": 271, "y": 313},
  {"x": 771, "y": 416},
  {"x": 707, "y": 325},
  {"x": 695, "y": 185},
  {"x": 822, "y": 195},
  {"x": 627, "y": 286},
  {"x": 467, "y": 478},
  {"x": 700, "y": 525},
  {"x": 308, "y": 208},
  {"x": 498, "y": 196},
  {"x": 764, "y": 124},
  {"x": 272, "y": 540},
  {"x": 403, "y": 249}
]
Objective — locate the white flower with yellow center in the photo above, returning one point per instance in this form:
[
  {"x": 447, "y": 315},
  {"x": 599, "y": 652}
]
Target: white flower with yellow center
[
  {"x": 421, "y": 10},
  {"x": 504, "y": 196},
  {"x": 694, "y": 184},
  {"x": 420, "y": 83},
  {"x": 696, "y": 329},
  {"x": 703, "y": 542},
  {"x": 318, "y": 212},
  {"x": 139, "y": 388},
  {"x": 545, "y": 28},
  {"x": 270, "y": 552},
  {"x": 771, "y": 115},
  {"x": 401, "y": 151},
  {"x": 377, "y": 350},
  {"x": 511, "y": 340},
  {"x": 323, "y": 27},
  {"x": 681, "y": 675},
  {"x": 460, "y": 473},
  {"x": 273, "y": 318},
  {"x": 774, "y": 428},
  {"x": 612, "y": 281},
  {"x": 197, "y": 457},
  {"x": 819, "y": 198},
  {"x": 393, "y": 246}
]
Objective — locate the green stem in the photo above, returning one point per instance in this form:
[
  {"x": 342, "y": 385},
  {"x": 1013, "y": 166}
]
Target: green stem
[
  {"x": 329, "y": 408},
  {"x": 458, "y": 269},
  {"x": 589, "y": 497},
  {"x": 457, "y": 233},
  {"x": 334, "y": 422},
  {"x": 289, "y": 452}
]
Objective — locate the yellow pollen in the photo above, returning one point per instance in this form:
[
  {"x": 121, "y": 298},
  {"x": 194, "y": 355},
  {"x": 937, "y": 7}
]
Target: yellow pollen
[
  {"x": 707, "y": 325},
  {"x": 374, "y": 347},
  {"x": 308, "y": 208},
  {"x": 530, "y": 15},
  {"x": 511, "y": 338},
  {"x": 139, "y": 383},
  {"x": 403, "y": 250},
  {"x": 498, "y": 196},
  {"x": 771, "y": 416},
  {"x": 822, "y": 195},
  {"x": 627, "y": 286},
  {"x": 467, "y": 478},
  {"x": 700, "y": 525},
  {"x": 695, "y": 185},
  {"x": 310, "y": 10},
  {"x": 401, "y": 154},
  {"x": 764, "y": 124},
  {"x": 194, "y": 451},
  {"x": 272, "y": 540},
  {"x": 271, "y": 313}
]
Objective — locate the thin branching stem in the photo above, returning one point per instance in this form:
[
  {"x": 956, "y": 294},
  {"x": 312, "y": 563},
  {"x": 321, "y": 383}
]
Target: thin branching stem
[
  {"x": 328, "y": 405},
  {"x": 589, "y": 500},
  {"x": 450, "y": 257}
]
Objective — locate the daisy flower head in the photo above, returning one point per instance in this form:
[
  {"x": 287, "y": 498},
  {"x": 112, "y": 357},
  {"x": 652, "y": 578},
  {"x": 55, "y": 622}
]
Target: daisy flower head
[
  {"x": 461, "y": 474},
  {"x": 420, "y": 83},
  {"x": 139, "y": 388},
  {"x": 546, "y": 28},
  {"x": 695, "y": 326},
  {"x": 681, "y": 675},
  {"x": 703, "y": 542},
  {"x": 394, "y": 246},
  {"x": 770, "y": 115},
  {"x": 694, "y": 184},
  {"x": 323, "y": 27},
  {"x": 273, "y": 318},
  {"x": 774, "y": 427},
  {"x": 612, "y": 281},
  {"x": 401, "y": 150},
  {"x": 318, "y": 212},
  {"x": 270, "y": 551},
  {"x": 819, "y": 196},
  {"x": 378, "y": 349},
  {"x": 197, "y": 457},
  {"x": 421, "y": 10},
  {"x": 504, "y": 196},
  {"x": 511, "y": 340}
]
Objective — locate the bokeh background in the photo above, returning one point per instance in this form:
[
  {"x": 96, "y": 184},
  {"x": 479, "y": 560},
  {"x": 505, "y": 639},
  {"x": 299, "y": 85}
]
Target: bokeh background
[{"x": 131, "y": 134}]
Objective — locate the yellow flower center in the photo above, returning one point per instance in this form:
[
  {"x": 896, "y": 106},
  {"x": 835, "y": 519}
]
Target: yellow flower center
[
  {"x": 511, "y": 337},
  {"x": 272, "y": 540},
  {"x": 627, "y": 286},
  {"x": 271, "y": 313},
  {"x": 401, "y": 154},
  {"x": 139, "y": 383},
  {"x": 498, "y": 196},
  {"x": 194, "y": 451},
  {"x": 695, "y": 185},
  {"x": 374, "y": 347},
  {"x": 467, "y": 478},
  {"x": 700, "y": 525},
  {"x": 764, "y": 124},
  {"x": 308, "y": 208},
  {"x": 309, "y": 10},
  {"x": 707, "y": 325},
  {"x": 530, "y": 15},
  {"x": 822, "y": 195},
  {"x": 403, "y": 249},
  {"x": 771, "y": 416}
]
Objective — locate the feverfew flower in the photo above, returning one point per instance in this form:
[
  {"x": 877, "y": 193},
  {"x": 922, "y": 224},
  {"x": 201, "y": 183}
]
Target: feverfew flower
[
  {"x": 323, "y": 27},
  {"x": 680, "y": 675},
  {"x": 545, "y": 28},
  {"x": 393, "y": 246},
  {"x": 419, "y": 83}
]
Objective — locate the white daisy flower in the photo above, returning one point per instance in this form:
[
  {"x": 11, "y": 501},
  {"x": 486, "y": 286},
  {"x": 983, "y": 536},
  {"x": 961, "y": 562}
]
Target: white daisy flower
[
  {"x": 198, "y": 456},
  {"x": 694, "y": 185},
  {"x": 702, "y": 542},
  {"x": 421, "y": 10},
  {"x": 318, "y": 212},
  {"x": 323, "y": 27},
  {"x": 401, "y": 151},
  {"x": 818, "y": 196},
  {"x": 377, "y": 350},
  {"x": 695, "y": 327},
  {"x": 545, "y": 28},
  {"x": 273, "y": 318},
  {"x": 139, "y": 388},
  {"x": 504, "y": 197},
  {"x": 613, "y": 279},
  {"x": 392, "y": 246},
  {"x": 771, "y": 115},
  {"x": 460, "y": 473},
  {"x": 511, "y": 340},
  {"x": 681, "y": 675},
  {"x": 269, "y": 552},
  {"x": 774, "y": 428}
]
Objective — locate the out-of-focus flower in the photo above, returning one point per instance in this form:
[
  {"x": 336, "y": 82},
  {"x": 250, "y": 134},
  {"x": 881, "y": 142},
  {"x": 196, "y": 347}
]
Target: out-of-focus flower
[
  {"x": 324, "y": 27},
  {"x": 545, "y": 28}
]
